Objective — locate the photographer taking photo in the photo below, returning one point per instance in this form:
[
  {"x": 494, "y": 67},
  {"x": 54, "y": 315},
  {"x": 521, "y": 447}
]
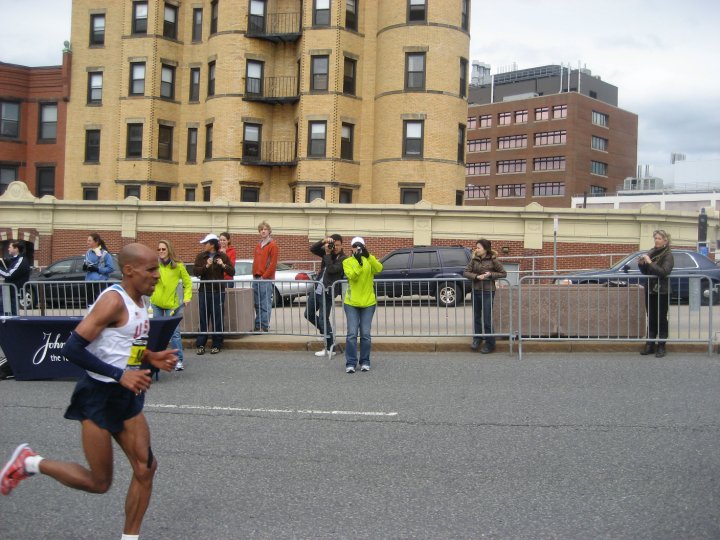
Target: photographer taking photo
[{"x": 317, "y": 312}]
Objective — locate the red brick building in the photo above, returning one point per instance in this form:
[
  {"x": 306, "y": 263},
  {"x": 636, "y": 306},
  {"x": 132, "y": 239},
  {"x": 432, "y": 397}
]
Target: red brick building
[{"x": 33, "y": 110}]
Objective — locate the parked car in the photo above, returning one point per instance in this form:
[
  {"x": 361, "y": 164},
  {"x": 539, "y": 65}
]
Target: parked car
[
  {"x": 419, "y": 264},
  {"x": 62, "y": 284},
  {"x": 289, "y": 282},
  {"x": 686, "y": 262}
]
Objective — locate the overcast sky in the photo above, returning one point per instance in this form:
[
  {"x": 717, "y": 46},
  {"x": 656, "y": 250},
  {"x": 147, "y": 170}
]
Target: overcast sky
[{"x": 659, "y": 53}]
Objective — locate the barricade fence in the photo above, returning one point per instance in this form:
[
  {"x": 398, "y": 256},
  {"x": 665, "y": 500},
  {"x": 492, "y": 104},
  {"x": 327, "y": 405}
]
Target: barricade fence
[{"x": 9, "y": 300}]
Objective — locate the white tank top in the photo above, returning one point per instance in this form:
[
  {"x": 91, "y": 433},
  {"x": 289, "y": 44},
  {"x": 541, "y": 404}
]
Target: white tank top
[{"x": 122, "y": 346}]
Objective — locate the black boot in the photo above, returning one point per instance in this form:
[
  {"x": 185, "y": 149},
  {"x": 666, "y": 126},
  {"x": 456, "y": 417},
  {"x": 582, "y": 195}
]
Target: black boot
[
  {"x": 476, "y": 344},
  {"x": 660, "y": 352},
  {"x": 649, "y": 349}
]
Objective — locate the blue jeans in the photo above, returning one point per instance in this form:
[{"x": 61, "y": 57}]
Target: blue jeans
[
  {"x": 263, "y": 295},
  {"x": 317, "y": 312},
  {"x": 482, "y": 309},
  {"x": 175, "y": 339},
  {"x": 358, "y": 318},
  {"x": 211, "y": 299}
]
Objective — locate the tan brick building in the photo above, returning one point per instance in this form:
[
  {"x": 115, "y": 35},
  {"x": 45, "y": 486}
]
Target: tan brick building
[{"x": 353, "y": 101}]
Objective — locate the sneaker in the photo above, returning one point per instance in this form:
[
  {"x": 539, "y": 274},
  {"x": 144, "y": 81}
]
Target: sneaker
[
  {"x": 179, "y": 366},
  {"x": 14, "y": 470},
  {"x": 215, "y": 350},
  {"x": 350, "y": 369},
  {"x": 331, "y": 353},
  {"x": 365, "y": 367},
  {"x": 200, "y": 350},
  {"x": 321, "y": 352}
]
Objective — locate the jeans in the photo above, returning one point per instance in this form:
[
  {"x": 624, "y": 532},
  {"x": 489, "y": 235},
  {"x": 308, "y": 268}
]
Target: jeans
[
  {"x": 482, "y": 310},
  {"x": 175, "y": 339},
  {"x": 317, "y": 312},
  {"x": 263, "y": 291},
  {"x": 657, "y": 306},
  {"x": 358, "y": 318},
  {"x": 211, "y": 310}
]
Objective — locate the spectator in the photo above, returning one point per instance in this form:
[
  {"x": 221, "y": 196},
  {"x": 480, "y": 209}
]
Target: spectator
[
  {"x": 265, "y": 258},
  {"x": 16, "y": 271},
  {"x": 98, "y": 266},
  {"x": 228, "y": 250},
  {"x": 483, "y": 269},
  {"x": 210, "y": 266},
  {"x": 164, "y": 300},
  {"x": 320, "y": 304},
  {"x": 658, "y": 262},
  {"x": 359, "y": 303}
]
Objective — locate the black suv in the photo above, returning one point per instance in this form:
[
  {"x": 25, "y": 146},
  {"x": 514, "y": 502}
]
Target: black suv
[{"x": 420, "y": 266}]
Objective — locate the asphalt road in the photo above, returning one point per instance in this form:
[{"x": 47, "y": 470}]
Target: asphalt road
[{"x": 270, "y": 445}]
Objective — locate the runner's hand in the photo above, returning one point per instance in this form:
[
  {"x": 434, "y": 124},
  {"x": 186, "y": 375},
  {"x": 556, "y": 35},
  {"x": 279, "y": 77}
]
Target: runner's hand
[{"x": 136, "y": 380}]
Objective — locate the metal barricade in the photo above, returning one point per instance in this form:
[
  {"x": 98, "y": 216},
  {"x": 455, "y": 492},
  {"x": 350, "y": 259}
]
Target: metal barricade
[
  {"x": 9, "y": 301},
  {"x": 60, "y": 298}
]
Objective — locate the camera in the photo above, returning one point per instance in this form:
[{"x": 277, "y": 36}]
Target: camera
[{"x": 331, "y": 245}]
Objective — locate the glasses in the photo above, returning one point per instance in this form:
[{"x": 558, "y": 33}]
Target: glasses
[{"x": 162, "y": 249}]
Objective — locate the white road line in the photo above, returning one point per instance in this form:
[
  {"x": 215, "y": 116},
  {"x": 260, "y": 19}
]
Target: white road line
[{"x": 261, "y": 410}]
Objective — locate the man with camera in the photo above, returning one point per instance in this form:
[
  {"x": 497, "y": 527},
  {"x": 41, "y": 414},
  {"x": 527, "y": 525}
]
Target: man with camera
[{"x": 319, "y": 305}]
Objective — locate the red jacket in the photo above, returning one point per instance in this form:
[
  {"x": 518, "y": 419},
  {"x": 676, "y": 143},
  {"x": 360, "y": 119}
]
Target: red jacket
[{"x": 265, "y": 260}]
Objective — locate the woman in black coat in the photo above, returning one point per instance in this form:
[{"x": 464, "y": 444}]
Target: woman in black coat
[{"x": 658, "y": 262}]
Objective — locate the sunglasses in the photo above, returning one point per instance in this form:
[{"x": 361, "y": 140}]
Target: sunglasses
[{"x": 162, "y": 249}]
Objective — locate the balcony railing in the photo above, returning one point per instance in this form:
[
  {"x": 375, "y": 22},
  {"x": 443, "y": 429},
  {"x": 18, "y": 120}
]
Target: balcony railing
[
  {"x": 275, "y": 27},
  {"x": 269, "y": 153},
  {"x": 272, "y": 90}
]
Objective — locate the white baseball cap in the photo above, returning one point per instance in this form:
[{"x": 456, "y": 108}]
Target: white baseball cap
[
  {"x": 357, "y": 240},
  {"x": 209, "y": 237}
]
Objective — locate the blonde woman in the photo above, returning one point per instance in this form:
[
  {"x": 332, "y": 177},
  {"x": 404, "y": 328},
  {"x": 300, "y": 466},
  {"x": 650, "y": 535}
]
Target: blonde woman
[{"x": 657, "y": 262}]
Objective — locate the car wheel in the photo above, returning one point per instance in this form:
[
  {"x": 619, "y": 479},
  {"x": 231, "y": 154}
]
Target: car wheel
[
  {"x": 447, "y": 294},
  {"x": 26, "y": 300},
  {"x": 705, "y": 297}
]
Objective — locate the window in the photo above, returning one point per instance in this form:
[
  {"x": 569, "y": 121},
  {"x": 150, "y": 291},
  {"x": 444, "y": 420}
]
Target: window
[
  {"x": 486, "y": 121},
  {"x": 346, "y": 141},
  {"x": 598, "y": 190},
  {"x": 45, "y": 181},
  {"x": 598, "y": 143},
  {"x": 134, "y": 141},
  {"x": 345, "y": 196},
  {"x": 194, "y": 84},
  {"x": 521, "y": 117},
  {"x": 477, "y": 192},
  {"x": 461, "y": 144},
  {"x": 398, "y": 261},
  {"x": 167, "y": 82},
  {"x": 95, "y": 84},
  {"x": 548, "y": 189},
  {"x": 9, "y": 119},
  {"x": 410, "y": 195},
  {"x": 209, "y": 141},
  {"x": 190, "y": 194},
  {"x": 251, "y": 141},
  {"x": 413, "y": 138},
  {"x": 512, "y": 141},
  {"x": 598, "y": 167},
  {"x": 192, "y": 145},
  {"x": 48, "y": 122},
  {"x": 137, "y": 78},
  {"x": 425, "y": 259},
  {"x": 417, "y": 11},
  {"x": 165, "y": 142},
  {"x": 206, "y": 193},
  {"x": 600, "y": 119},
  {"x": 90, "y": 194},
  {"x": 163, "y": 193},
  {"x": 478, "y": 145},
  {"x": 510, "y": 190},
  {"x": 559, "y": 111},
  {"x": 319, "y": 73},
  {"x": 170, "y": 21},
  {"x": 254, "y": 78},
  {"x": 463, "y": 77},
  {"x": 92, "y": 146},
  {"x": 132, "y": 191},
  {"x": 312, "y": 193},
  {"x": 316, "y": 139},
  {"x": 351, "y": 22},
  {"x": 213, "y": 19},
  {"x": 197, "y": 24},
  {"x": 551, "y": 137},
  {"x": 465, "y": 16},
  {"x": 556, "y": 163},
  {"x": 321, "y": 13},
  {"x": 504, "y": 119},
  {"x": 249, "y": 194},
  {"x": 8, "y": 173},
  {"x": 511, "y": 166},
  {"x": 476, "y": 169},
  {"x": 414, "y": 71},
  {"x": 211, "y": 79},
  {"x": 542, "y": 113},
  {"x": 349, "y": 76},
  {"x": 472, "y": 122},
  {"x": 256, "y": 23},
  {"x": 139, "y": 20},
  {"x": 97, "y": 30}
]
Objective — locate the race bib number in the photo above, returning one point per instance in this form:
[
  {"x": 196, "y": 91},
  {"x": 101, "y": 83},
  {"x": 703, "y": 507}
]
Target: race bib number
[{"x": 137, "y": 350}]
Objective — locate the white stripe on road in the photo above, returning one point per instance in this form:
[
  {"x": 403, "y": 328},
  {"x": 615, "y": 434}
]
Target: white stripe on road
[{"x": 260, "y": 410}]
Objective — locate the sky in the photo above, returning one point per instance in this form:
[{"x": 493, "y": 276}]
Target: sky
[{"x": 657, "y": 52}]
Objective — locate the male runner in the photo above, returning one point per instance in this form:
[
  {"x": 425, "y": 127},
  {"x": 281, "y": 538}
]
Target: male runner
[{"x": 109, "y": 343}]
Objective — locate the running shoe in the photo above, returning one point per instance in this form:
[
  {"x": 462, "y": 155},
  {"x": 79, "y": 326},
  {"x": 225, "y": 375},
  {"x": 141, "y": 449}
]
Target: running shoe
[
  {"x": 179, "y": 366},
  {"x": 365, "y": 367},
  {"x": 14, "y": 470},
  {"x": 350, "y": 369}
]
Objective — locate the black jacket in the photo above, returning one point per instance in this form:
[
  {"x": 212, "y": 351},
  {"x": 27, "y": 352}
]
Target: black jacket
[
  {"x": 331, "y": 268},
  {"x": 18, "y": 271},
  {"x": 661, "y": 266}
]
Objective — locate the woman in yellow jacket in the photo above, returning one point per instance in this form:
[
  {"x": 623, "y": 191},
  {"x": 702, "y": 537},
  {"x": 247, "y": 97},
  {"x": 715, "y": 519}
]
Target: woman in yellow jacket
[
  {"x": 359, "y": 303},
  {"x": 164, "y": 300}
]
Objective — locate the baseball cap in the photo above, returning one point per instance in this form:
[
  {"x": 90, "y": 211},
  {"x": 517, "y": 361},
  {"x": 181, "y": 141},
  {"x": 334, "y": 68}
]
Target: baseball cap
[
  {"x": 208, "y": 237},
  {"x": 357, "y": 240}
]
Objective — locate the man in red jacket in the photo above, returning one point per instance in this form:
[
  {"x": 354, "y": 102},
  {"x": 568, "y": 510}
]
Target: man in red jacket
[{"x": 265, "y": 258}]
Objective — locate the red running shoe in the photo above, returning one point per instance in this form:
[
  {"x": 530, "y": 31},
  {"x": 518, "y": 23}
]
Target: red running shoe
[{"x": 14, "y": 470}]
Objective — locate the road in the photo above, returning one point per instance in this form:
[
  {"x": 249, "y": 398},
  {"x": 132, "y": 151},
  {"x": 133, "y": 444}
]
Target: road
[{"x": 280, "y": 445}]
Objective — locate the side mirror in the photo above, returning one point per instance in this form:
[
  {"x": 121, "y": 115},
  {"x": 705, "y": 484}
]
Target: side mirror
[{"x": 626, "y": 268}]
